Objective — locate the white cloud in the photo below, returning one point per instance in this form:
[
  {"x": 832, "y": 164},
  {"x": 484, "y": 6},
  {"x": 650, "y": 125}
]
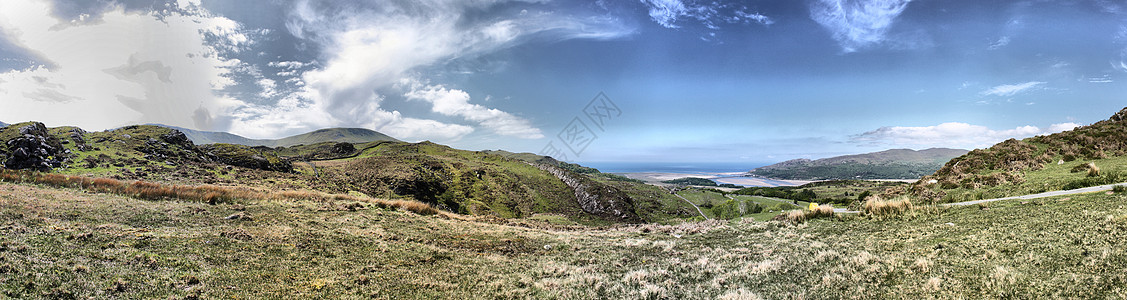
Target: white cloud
[
  {"x": 1100, "y": 79},
  {"x": 176, "y": 64},
  {"x": 667, "y": 12},
  {"x": 1007, "y": 90},
  {"x": 125, "y": 68},
  {"x": 857, "y": 24},
  {"x": 369, "y": 48},
  {"x": 1001, "y": 42},
  {"x": 287, "y": 65},
  {"x": 269, "y": 88},
  {"x": 952, "y": 135},
  {"x": 452, "y": 102},
  {"x": 1061, "y": 127}
]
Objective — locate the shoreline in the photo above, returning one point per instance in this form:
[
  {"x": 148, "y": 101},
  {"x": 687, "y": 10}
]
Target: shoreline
[{"x": 737, "y": 178}]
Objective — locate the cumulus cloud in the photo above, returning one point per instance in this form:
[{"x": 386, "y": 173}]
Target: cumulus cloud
[
  {"x": 452, "y": 102},
  {"x": 127, "y": 67},
  {"x": 179, "y": 65},
  {"x": 857, "y": 24},
  {"x": 954, "y": 134},
  {"x": 1007, "y": 90},
  {"x": 367, "y": 48},
  {"x": 667, "y": 12}
]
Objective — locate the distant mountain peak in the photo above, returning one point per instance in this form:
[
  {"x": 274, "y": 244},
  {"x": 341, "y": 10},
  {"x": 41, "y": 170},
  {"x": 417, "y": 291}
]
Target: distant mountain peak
[
  {"x": 887, "y": 164},
  {"x": 346, "y": 135}
]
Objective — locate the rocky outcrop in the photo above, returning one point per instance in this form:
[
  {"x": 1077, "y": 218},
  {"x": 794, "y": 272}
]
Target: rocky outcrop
[
  {"x": 78, "y": 137},
  {"x": 247, "y": 157},
  {"x": 170, "y": 146},
  {"x": 343, "y": 148},
  {"x": 596, "y": 198},
  {"x": 175, "y": 137},
  {"x": 1119, "y": 116},
  {"x": 34, "y": 148}
]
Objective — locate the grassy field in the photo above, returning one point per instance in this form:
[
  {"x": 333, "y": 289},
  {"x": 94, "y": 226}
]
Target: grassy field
[
  {"x": 711, "y": 203},
  {"x": 831, "y": 191},
  {"x": 1051, "y": 178},
  {"x": 63, "y": 243},
  {"x": 771, "y": 206},
  {"x": 702, "y": 197}
]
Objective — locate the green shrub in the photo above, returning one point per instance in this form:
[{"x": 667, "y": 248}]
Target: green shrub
[
  {"x": 1106, "y": 178},
  {"x": 691, "y": 181}
]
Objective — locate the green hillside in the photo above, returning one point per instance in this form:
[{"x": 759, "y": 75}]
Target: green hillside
[
  {"x": 888, "y": 164},
  {"x": 340, "y": 135},
  {"x": 344, "y": 220},
  {"x": 1033, "y": 165},
  {"x": 458, "y": 181},
  {"x": 69, "y": 243}
]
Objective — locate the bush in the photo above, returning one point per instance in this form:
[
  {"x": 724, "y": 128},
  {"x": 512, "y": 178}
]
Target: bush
[
  {"x": 1082, "y": 167},
  {"x": 875, "y": 205},
  {"x": 691, "y": 181},
  {"x": 617, "y": 177},
  {"x": 799, "y": 216},
  {"x": 1105, "y": 178}
]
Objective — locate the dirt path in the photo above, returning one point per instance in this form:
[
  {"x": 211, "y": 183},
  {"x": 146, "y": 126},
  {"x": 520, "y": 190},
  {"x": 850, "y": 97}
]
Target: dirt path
[{"x": 694, "y": 206}]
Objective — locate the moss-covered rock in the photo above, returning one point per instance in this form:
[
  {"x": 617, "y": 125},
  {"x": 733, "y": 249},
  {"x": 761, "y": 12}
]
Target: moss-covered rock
[
  {"x": 30, "y": 146},
  {"x": 247, "y": 157}
]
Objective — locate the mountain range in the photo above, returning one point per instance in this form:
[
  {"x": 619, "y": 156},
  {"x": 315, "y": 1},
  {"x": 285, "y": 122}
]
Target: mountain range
[
  {"x": 344, "y": 161},
  {"x": 888, "y": 164},
  {"x": 339, "y": 135}
]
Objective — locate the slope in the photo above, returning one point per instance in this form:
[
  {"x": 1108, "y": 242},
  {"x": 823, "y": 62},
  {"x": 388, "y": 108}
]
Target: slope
[
  {"x": 71, "y": 244},
  {"x": 1086, "y": 156},
  {"x": 888, "y": 164},
  {"x": 465, "y": 182}
]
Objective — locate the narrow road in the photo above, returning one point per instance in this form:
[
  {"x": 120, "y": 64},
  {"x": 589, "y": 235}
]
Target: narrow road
[
  {"x": 1100, "y": 188},
  {"x": 694, "y": 206}
]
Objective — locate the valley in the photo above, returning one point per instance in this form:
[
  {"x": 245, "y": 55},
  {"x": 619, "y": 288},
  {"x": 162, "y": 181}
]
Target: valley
[{"x": 142, "y": 212}]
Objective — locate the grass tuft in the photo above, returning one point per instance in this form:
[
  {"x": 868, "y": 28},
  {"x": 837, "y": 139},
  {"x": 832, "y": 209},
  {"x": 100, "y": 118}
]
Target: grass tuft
[
  {"x": 875, "y": 205},
  {"x": 799, "y": 216},
  {"x": 209, "y": 194}
]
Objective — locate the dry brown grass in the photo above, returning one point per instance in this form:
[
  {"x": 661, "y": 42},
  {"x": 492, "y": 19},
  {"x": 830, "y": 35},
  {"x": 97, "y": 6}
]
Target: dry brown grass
[
  {"x": 875, "y": 205},
  {"x": 210, "y": 194},
  {"x": 799, "y": 216}
]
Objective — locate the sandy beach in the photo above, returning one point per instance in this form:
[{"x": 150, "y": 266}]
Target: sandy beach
[
  {"x": 733, "y": 178},
  {"x": 759, "y": 181},
  {"x": 658, "y": 177}
]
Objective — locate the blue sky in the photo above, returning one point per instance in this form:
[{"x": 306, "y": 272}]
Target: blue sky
[{"x": 719, "y": 81}]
